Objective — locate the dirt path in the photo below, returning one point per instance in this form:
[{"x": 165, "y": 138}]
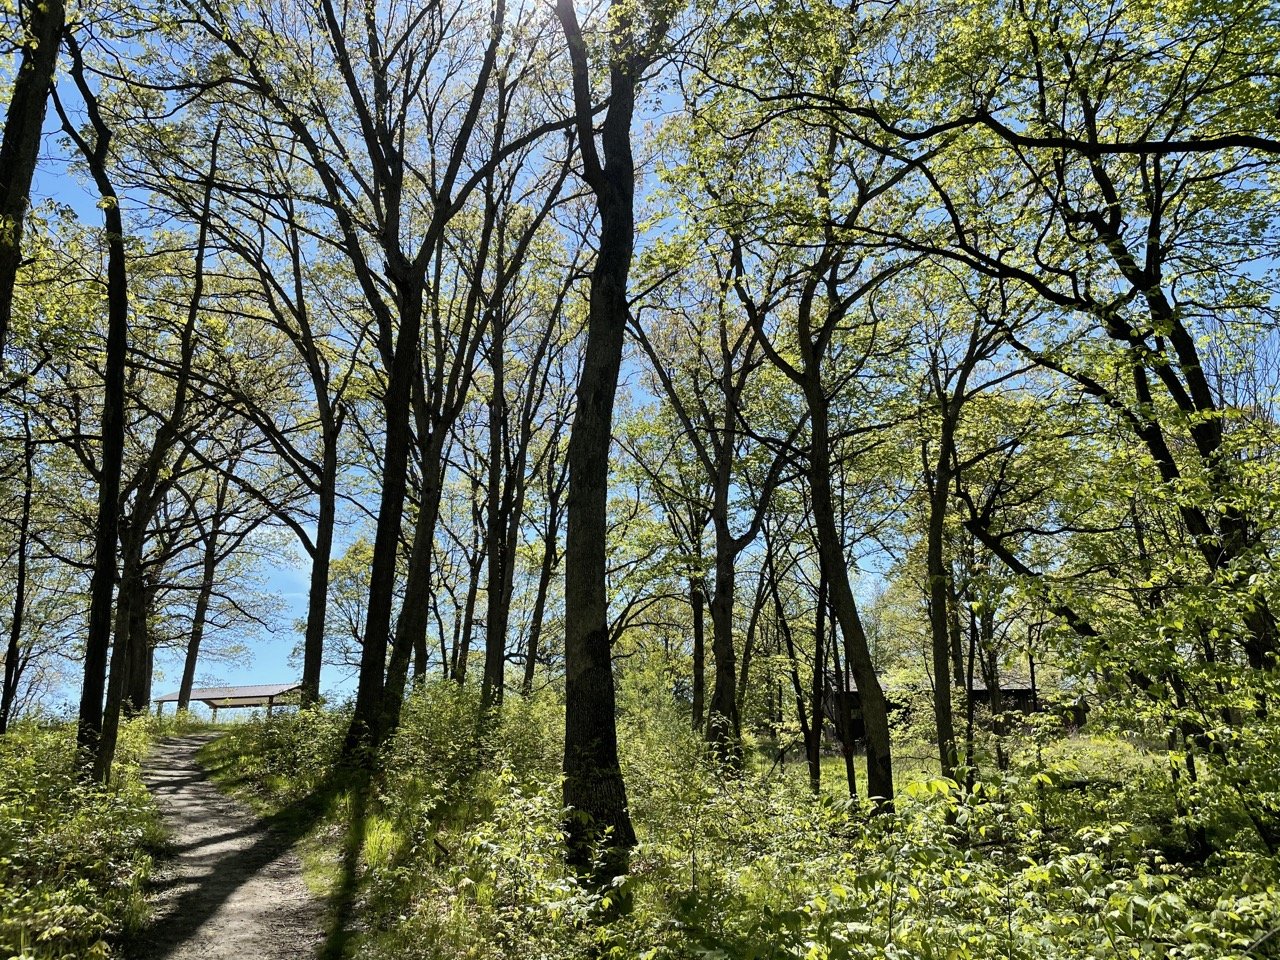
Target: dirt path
[{"x": 233, "y": 889}]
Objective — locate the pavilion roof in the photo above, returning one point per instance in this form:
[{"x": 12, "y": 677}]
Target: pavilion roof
[{"x": 252, "y": 695}]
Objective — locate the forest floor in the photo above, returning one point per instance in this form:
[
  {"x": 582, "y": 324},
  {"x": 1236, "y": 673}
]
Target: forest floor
[{"x": 232, "y": 886}]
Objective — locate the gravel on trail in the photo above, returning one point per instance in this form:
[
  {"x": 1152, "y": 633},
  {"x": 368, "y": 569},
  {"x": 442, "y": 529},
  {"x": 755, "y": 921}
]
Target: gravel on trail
[{"x": 233, "y": 888}]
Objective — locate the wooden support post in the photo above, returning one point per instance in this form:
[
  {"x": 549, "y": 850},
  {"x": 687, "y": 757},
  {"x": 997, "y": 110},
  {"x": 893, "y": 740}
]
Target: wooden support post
[
  {"x": 215, "y": 712},
  {"x": 270, "y": 704},
  {"x": 159, "y": 708}
]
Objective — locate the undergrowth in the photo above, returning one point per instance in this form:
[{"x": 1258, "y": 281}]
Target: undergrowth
[
  {"x": 73, "y": 855},
  {"x": 453, "y": 850}
]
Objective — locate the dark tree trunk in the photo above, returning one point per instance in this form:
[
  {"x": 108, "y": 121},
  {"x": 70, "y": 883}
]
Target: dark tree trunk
[
  {"x": 128, "y": 596},
  {"x": 793, "y": 672},
  {"x": 95, "y": 754},
  {"x": 367, "y": 719},
  {"x": 724, "y": 727},
  {"x": 550, "y": 556},
  {"x": 875, "y": 710},
  {"x": 594, "y": 792},
  {"x": 128, "y": 685},
  {"x": 817, "y": 687},
  {"x": 953, "y": 628},
  {"x": 462, "y": 650},
  {"x": 845, "y": 718},
  {"x": 321, "y": 558},
  {"x": 991, "y": 677},
  {"x": 137, "y": 685},
  {"x": 208, "y": 569},
  {"x": 497, "y": 609},
  {"x": 697, "y": 602},
  {"x": 593, "y": 787},
  {"x": 13, "y": 651},
  {"x": 20, "y": 147},
  {"x": 970, "y": 770},
  {"x": 411, "y": 628},
  {"x": 939, "y": 485},
  {"x": 749, "y": 645}
]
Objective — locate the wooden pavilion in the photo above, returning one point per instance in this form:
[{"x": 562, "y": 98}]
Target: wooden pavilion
[{"x": 226, "y": 698}]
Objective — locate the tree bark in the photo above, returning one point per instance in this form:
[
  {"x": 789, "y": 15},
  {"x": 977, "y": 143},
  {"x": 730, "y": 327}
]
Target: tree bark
[
  {"x": 321, "y": 558},
  {"x": 845, "y": 718},
  {"x": 939, "y": 485},
  {"x": 208, "y": 568},
  {"x": 549, "y": 560},
  {"x": 128, "y": 595},
  {"x": 497, "y": 608},
  {"x": 139, "y": 650},
  {"x": 367, "y": 718},
  {"x": 817, "y": 686},
  {"x": 411, "y": 628},
  {"x": 724, "y": 728},
  {"x": 749, "y": 645}
]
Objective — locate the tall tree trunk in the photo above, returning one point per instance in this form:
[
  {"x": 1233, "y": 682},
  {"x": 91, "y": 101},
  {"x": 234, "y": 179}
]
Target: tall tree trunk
[
  {"x": 724, "y": 727},
  {"x": 12, "y": 656},
  {"x": 970, "y": 767},
  {"x": 496, "y": 608},
  {"x": 549, "y": 555},
  {"x": 367, "y": 718},
  {"x": 793, "y": 671},
  {"x": 208, "y": 568},
  {"x": 594, "y": 791},
  {"x": 593, "y": 787},
  {"x": 20, "y": 146},
  {"x": 117, "y": 682},
  {"x": 415, "y": 613},
  {"x": 953, "y": 628},
  {"x": 817, "y": 686},
  {"x": 697, "y": 602},
  {"x": 462, "y": 651},
  {"x": 991, "y": 677},
  {"x": 321, "y": 558},
  {"x": 749, "y": 645},
  {"x": 939, "y": 481},
  {"x": 875, "y": 710},
  {"x": 130, "y": 676},
  {"x": 139, "y": 652},
  {"x": 845, "y": 718},
  {"x": 95, "y": 755}
]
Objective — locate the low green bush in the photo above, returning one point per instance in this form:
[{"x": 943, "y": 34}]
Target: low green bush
[
  {"x": 73, "y": 855},
  {"x": 454, "y": 850}
]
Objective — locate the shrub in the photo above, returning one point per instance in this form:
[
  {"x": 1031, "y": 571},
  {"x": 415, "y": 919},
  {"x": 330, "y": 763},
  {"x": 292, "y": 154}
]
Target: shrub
[{"x": 73, "y": 855}]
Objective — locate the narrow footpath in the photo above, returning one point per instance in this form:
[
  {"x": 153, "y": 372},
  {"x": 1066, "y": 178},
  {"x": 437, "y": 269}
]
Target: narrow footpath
[{"x": 233, "y": 889}]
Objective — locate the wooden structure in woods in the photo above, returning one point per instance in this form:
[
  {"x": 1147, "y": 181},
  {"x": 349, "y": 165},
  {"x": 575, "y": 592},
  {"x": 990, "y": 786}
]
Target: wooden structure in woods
[
  {"x": 225, "y": 698},
  {"x": 1017, "y": 695}
]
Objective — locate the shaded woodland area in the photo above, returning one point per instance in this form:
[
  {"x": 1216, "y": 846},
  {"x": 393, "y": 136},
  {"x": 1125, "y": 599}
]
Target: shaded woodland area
[{"x": 871, "y": 405}]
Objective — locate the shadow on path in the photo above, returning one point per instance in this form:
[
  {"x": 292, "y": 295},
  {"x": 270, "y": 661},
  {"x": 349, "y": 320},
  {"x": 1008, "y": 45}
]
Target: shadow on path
[{"x": 233, "y": 887}]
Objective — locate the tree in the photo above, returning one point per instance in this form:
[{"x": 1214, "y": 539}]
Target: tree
[
  {"x": 707, "y": 390},
  {"x": 403, "y": 87},
  {"x": 95, "y": 748},
  {"x": 593, "y": 786}
]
